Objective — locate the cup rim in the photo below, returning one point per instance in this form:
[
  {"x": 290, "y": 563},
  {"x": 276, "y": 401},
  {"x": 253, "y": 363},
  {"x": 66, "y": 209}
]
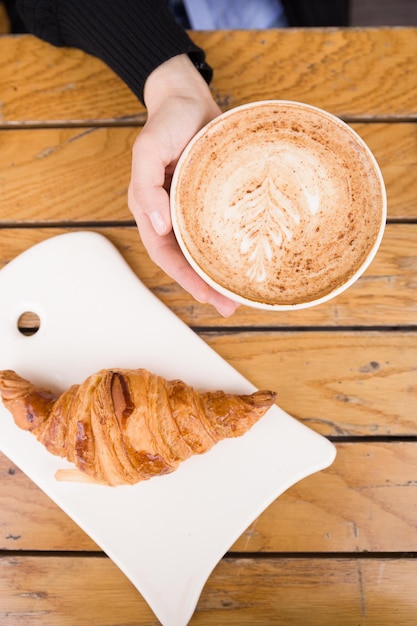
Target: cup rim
[{"x": 230, "y": 293}]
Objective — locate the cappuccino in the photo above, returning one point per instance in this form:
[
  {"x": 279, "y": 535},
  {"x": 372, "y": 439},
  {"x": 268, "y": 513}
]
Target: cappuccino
[{"x": 278, "y": 204}]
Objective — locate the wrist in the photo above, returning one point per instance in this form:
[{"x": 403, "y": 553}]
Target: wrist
[{"x": 177, "y": 77}]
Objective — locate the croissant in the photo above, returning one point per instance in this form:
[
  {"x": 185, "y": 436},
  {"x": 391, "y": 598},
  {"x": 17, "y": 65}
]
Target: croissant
[{"x": 121, "y": 426}]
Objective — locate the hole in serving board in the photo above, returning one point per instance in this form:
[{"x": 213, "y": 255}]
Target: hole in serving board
[{"x": 29, "y": 323}]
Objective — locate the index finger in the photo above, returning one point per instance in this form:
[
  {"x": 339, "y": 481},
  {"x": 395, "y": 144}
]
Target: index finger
[{"x": 165, "y": 252}]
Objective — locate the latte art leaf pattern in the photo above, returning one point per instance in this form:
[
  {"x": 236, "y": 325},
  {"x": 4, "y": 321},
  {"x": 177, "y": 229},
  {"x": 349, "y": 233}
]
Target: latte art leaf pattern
[{"x": 266, "y": 217}]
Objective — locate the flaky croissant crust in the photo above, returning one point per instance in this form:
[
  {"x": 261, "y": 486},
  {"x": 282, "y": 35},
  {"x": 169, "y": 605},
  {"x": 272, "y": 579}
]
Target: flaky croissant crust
[{"x": 121, "y": 426}]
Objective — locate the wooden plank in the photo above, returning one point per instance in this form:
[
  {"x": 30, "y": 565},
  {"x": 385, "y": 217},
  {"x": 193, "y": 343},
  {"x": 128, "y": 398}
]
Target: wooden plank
[
  {"x": 395, "y": 148},
  {"x": 352, "y": 72},
  {"x": 344, "y": 384},
  {"x": 283, "y": 592},
  {"x": 65, "y": 174},
  {"x": 74, "y": 174},
  {"x": 40, "y": 83},
  {"x": 361, "y": 503},
  {"x": 384, "y": 296}
]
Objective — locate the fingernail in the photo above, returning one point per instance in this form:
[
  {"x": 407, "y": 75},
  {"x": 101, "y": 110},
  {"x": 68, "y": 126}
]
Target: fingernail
[
  {"x": 225, "y": 307},
  {"x": 157, "y": 222},
  {"x": 227, "y": 310}
]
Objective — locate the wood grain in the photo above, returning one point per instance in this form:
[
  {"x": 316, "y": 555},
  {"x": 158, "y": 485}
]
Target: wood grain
[
  {"x": 339, "y": 384},
  {"x": 350, "y": 72},
  {"x": 65, "y": 175},
  {"x": 279, "y": 591},
  {"x": 75, "y": 174},
  {"x": 361, "y": 503},
  {"x": 395, "y": 148},
  {"x": 43, "y": 84},
  {"x": 362, "y": 73},
  {"x": 385, "y": 295}
]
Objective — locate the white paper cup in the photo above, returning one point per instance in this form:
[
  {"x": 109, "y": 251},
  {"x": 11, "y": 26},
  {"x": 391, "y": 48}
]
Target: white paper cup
[{"x": 278, "y": 205}]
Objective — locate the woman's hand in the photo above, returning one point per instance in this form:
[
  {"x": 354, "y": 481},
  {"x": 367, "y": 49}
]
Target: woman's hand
[{"x": 179, "y": 104}]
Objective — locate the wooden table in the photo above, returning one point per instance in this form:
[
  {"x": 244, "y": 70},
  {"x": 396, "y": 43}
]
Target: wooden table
[{"x": 339, "y": 548}]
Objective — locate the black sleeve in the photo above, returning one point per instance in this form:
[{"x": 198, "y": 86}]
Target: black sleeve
[
  {"x": 133, "y": 37},
  {"x": 317, "y": 13}
]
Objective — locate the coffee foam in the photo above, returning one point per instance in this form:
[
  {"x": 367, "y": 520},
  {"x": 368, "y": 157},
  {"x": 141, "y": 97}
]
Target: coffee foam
[{"x": 278, "y": 203}]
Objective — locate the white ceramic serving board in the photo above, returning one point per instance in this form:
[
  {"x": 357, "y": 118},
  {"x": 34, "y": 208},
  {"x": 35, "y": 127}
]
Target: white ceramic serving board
[{"x": 168, "y": 533}]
